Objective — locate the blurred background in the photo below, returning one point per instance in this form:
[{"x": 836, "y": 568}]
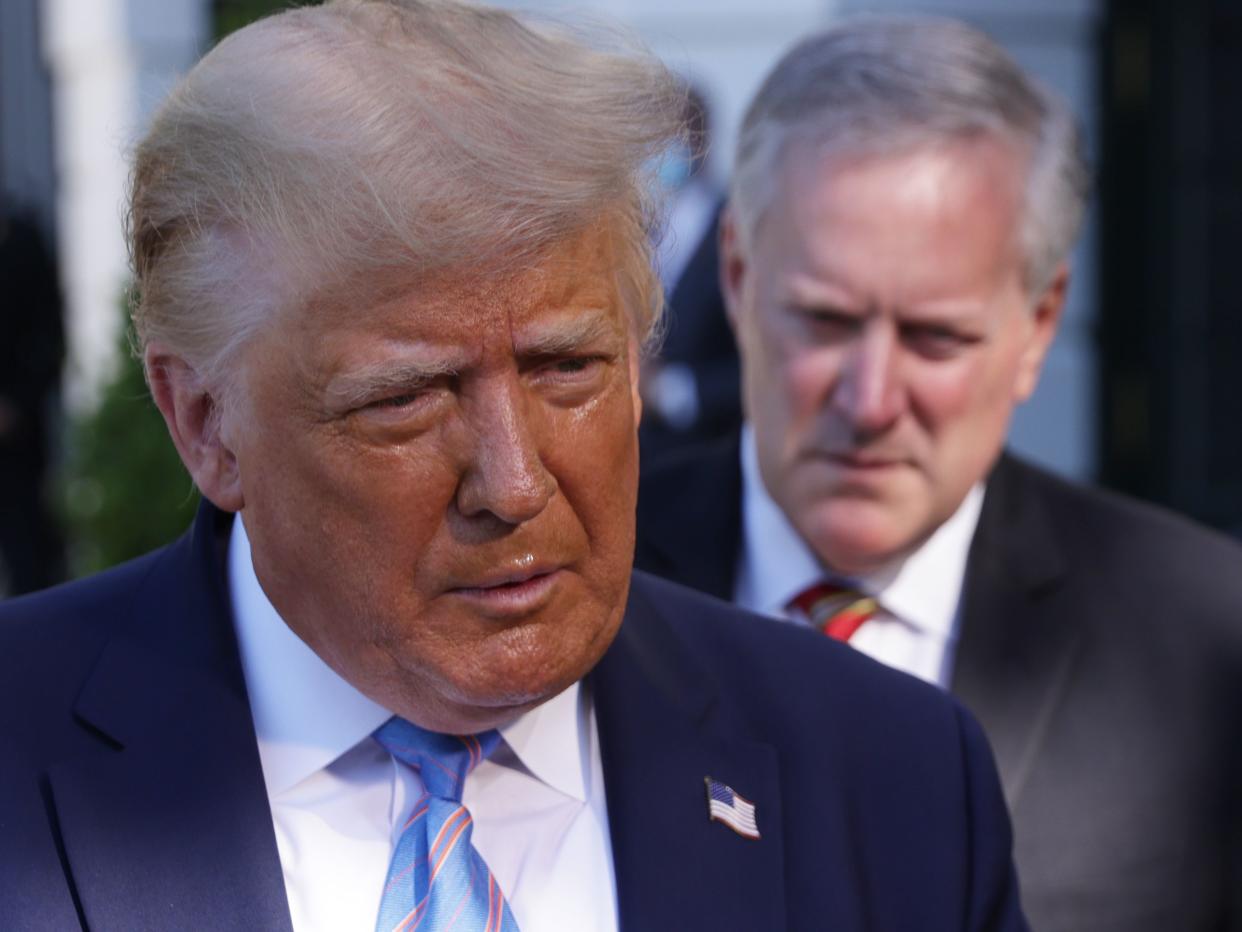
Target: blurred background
[{"x": 1143, "y": 391}]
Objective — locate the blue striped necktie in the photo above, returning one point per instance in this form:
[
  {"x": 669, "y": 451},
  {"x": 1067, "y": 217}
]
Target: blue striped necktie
[{"x": 436, "y": 880}]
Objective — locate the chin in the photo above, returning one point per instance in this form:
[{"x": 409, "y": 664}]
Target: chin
[
  {"x": 856, "y": 540},
  {"x": 519, "y": 680}
]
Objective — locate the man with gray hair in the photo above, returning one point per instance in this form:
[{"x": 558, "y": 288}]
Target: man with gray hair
[
  {"x": 894, "y": 264},
  {"x": 394, "y": 276}
]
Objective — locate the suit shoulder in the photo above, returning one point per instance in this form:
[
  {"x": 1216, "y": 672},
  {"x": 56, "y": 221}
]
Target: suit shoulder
[
  {"x": 50, "y": 641},
  {"x": 1145, "y": 541},
  {"x": 48, "y": 637},
  {"x": 774, "y": 664},
  {"x": 35, "y": 614}
]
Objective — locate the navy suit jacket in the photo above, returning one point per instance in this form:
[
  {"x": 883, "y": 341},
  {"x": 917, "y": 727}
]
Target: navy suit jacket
[
  {"x": 1100, "y": 646},
  {"x": 131, "y": 794},
  {"x": 697, "y": 336}
]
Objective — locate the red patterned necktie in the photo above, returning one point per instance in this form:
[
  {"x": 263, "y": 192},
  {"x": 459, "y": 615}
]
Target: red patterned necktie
[{"x": 835, "y": 610}]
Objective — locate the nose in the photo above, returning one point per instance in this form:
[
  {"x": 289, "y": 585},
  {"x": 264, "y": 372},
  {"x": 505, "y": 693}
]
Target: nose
[
  {"x": 505, "y": 476},
  {"x": 868, "y": 393}
]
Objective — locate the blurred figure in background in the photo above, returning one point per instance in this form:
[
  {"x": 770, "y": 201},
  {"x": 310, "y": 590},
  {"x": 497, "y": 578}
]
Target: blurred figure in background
[
  {"x": 31, "y": 351},
  {"x": 895, "y": 264},
  {"x": 690, "y": 388}
]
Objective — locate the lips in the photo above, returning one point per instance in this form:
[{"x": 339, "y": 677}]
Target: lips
[
  {"x": 516, "y": 590},
  {"x": 513, "y": 572},
  {"x": 865, "y": 461}
]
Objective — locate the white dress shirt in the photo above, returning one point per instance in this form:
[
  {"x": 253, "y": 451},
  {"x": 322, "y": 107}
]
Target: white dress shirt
[
  {"x": 339, "y": 800},
  {"x": 917, "y": 625}
]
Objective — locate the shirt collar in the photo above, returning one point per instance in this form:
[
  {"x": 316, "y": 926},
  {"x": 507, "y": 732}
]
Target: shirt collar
[
  {"x": 552, "y": 741},
  {"x": 776, "y": 564},
  {"x": 925, "y": 587},
  {"x": 306, "y": 715},
  {"x": 922, "y": 589}
]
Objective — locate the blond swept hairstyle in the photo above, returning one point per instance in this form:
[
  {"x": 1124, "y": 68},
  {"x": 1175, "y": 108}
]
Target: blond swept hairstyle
[
  {"x": 326, "y": 151},
  {"x": 876, "y": 85}
]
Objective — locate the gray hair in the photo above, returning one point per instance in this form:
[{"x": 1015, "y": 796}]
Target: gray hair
[
  {"x": 900, "y": 83},
  {"x": 326, "y": 152}
]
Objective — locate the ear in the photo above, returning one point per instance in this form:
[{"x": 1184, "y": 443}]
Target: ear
[
  {"x": 635, "y": 364},
  {"x": 1045, "y": 318},
  {"x": 734, "y": 265},
  {"x": 193, "y": 417}
]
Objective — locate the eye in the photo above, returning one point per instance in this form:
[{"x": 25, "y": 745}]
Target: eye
[
  {"x": 575, "y": 364},
  {"x": 396, "y": 401},
  {"x": 936, "y": 342},
  {"x": 829, "y": 322},
  {"x": 572, "y": 368},
  {"x": 404, "y": 402},
  {"x": 570, "y": 379}
]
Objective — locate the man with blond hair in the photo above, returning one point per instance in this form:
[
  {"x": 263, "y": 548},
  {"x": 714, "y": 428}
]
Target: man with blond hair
[
  {"x": 894, "y": 263},
  {"x": 394, "y": 276}
]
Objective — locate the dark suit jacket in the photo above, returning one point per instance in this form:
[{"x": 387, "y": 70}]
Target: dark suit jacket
[
  {"x": 698, "y": 336},
  {"x": 131, "y": 795},
  {"x": 1101, "y": 649}
]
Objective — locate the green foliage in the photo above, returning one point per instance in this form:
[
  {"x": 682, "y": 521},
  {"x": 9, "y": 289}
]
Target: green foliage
[
  {"x": 124, "y": 490},
  {"x": 231, "y": 15}
]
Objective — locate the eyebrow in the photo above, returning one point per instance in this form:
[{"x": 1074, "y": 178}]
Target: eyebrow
[
  {"x": 566, "y": 334},
  {"x": 946, "y": 311},
  {"x": 366, "y": 382}
]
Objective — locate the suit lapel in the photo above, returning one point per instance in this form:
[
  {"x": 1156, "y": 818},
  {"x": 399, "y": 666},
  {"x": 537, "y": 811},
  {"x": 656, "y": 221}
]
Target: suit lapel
[
  {"x": 172, "y": 829},
  {"x": 663, "y": 729},
  {"x": 701, "y": 552},
  {"x": 1018, "y": 642}
]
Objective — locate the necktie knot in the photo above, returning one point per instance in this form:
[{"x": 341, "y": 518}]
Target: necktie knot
[
  {"x": 836, "y": 610},
  {"x": 442, "y": 761},
  {"x": 436, "y": 880}
]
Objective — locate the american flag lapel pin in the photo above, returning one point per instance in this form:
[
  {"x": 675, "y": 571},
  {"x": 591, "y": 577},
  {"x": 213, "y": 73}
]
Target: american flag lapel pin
[{"x": 735, "y": 811}]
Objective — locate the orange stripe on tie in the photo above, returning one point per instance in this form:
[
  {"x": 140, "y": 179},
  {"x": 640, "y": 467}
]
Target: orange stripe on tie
[
  {"x": 448, "y": 849},
  {"x": 476, "y": 750},
  {"x": 461, "y": 904},
  {"x": 456, "y": 816},
  {"x": 419, "y": 812},
  {"x": 400, "y": 875},
  {"x": 452, "y": 774},
  {"x": 413, "y": 916}
]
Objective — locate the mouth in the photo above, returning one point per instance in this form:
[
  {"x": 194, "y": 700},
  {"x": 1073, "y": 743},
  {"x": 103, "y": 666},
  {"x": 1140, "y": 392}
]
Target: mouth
[
  {"x": 866, "y": 462},
  {"x": 511, "y": 593}
]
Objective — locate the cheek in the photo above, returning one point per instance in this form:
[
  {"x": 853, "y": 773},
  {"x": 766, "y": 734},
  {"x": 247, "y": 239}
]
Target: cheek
[
  {"x": 942, "y": 393},
  {"x": 807, "y": 380},
  {"x": 593, "y": 454},
  {"x": 964, "y": 412},
  {"x": 968, "y": 393},
  {"x": 331, "y": 503},
  {"x": 782, "y": 378}
]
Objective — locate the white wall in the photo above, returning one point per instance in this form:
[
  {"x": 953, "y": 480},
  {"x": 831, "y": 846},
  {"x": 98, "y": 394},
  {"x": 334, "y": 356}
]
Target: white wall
[{"x": 111, "y": 62}]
